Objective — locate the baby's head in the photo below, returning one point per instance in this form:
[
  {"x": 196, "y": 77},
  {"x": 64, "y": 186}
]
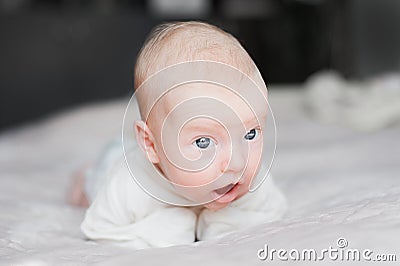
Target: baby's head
[{"x": 200, "y": 134}]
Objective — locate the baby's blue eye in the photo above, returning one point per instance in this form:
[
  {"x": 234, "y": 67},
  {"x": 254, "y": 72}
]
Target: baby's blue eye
[
  {"x": 251, "y": 134},
  {"x": 203, "y": 142}
]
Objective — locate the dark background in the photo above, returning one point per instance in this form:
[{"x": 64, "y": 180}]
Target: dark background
[{"x": 55, "y": 54}]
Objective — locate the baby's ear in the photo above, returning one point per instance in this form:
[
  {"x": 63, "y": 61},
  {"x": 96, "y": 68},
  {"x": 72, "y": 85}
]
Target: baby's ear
[{"x": 145, "y": 139}]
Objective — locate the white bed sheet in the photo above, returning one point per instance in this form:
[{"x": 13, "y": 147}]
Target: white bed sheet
[{"x": 339, "y": 183}]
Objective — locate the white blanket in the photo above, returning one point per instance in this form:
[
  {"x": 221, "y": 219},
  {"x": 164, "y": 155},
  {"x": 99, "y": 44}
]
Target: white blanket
[{"x": 339, "y": 183}]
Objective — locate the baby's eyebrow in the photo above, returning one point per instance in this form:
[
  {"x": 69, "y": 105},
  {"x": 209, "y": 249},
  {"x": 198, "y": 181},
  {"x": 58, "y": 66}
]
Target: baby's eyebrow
[
  {"x": 255, "y": 120},
  {"x": 203, "y": 125},
  {"x": 210, "y": 124}
]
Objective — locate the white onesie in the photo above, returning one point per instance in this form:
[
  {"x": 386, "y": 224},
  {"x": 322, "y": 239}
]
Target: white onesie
[{"x": 123, "y": 213}]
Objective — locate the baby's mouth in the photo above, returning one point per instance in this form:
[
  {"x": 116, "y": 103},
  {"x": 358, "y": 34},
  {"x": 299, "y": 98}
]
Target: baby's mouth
[
  {"x": 227, "y": 193},
  {"x": 228, "y": 188},
  {"x": 224, "y": 189}
]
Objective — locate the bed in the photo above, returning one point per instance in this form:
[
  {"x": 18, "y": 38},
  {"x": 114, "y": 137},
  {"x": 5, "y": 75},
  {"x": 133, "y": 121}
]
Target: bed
[{"x": 342, "y": 185}]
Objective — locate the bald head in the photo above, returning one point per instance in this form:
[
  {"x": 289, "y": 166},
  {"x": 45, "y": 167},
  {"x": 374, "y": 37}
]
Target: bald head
[{"x": 173, "y": 43}]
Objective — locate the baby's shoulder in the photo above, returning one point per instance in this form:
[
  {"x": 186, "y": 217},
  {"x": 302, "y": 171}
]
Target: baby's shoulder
[{"x": 123, "y": 185}]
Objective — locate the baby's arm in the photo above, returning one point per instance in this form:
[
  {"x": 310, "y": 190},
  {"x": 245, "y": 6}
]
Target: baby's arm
[
  {"x": 127, "y": 216},
  {"x": 265, "y": 205}
]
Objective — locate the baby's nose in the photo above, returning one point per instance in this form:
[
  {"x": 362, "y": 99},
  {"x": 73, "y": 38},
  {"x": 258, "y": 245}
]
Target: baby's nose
[{"x": 236, "y": 162}]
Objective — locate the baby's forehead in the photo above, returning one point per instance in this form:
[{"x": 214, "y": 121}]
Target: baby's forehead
[{"x": 216, "y": 102}]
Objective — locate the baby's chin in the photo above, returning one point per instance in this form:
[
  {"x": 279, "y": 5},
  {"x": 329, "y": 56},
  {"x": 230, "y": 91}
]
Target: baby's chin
[{"x": 215, "y": 206}]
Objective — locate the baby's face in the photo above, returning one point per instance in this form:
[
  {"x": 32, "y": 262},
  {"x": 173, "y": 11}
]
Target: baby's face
[{"x": 209, "y": 142}]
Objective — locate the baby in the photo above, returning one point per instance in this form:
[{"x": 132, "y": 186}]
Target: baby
[{"x": 203, "y": 138}]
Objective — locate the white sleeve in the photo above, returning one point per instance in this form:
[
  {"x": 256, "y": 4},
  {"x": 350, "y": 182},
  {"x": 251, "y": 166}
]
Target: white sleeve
[
  {"x": 264, "y": 205},
  {"x": 125, "y": 215}
]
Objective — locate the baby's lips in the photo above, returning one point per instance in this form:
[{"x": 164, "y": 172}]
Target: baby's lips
[
  {"x": 223, "y": 190},
  {"x": 227, "y": 196}
]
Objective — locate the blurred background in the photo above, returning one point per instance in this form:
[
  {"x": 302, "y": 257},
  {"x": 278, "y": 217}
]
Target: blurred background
[{"x": 56, "y": 54}]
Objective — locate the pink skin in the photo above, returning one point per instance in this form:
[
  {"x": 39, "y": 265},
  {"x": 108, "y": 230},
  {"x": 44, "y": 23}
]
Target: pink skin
[
  {"x": 225, "y": 168},
  {"x": 76, "y": 194}
]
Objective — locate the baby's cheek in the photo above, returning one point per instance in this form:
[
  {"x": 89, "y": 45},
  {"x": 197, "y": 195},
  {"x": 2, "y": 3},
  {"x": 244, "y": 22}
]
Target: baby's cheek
[
  {"x": 190, "y": 153},
  {"x": 188, "y": 178},
  {"x": 253, "y": 166}
]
